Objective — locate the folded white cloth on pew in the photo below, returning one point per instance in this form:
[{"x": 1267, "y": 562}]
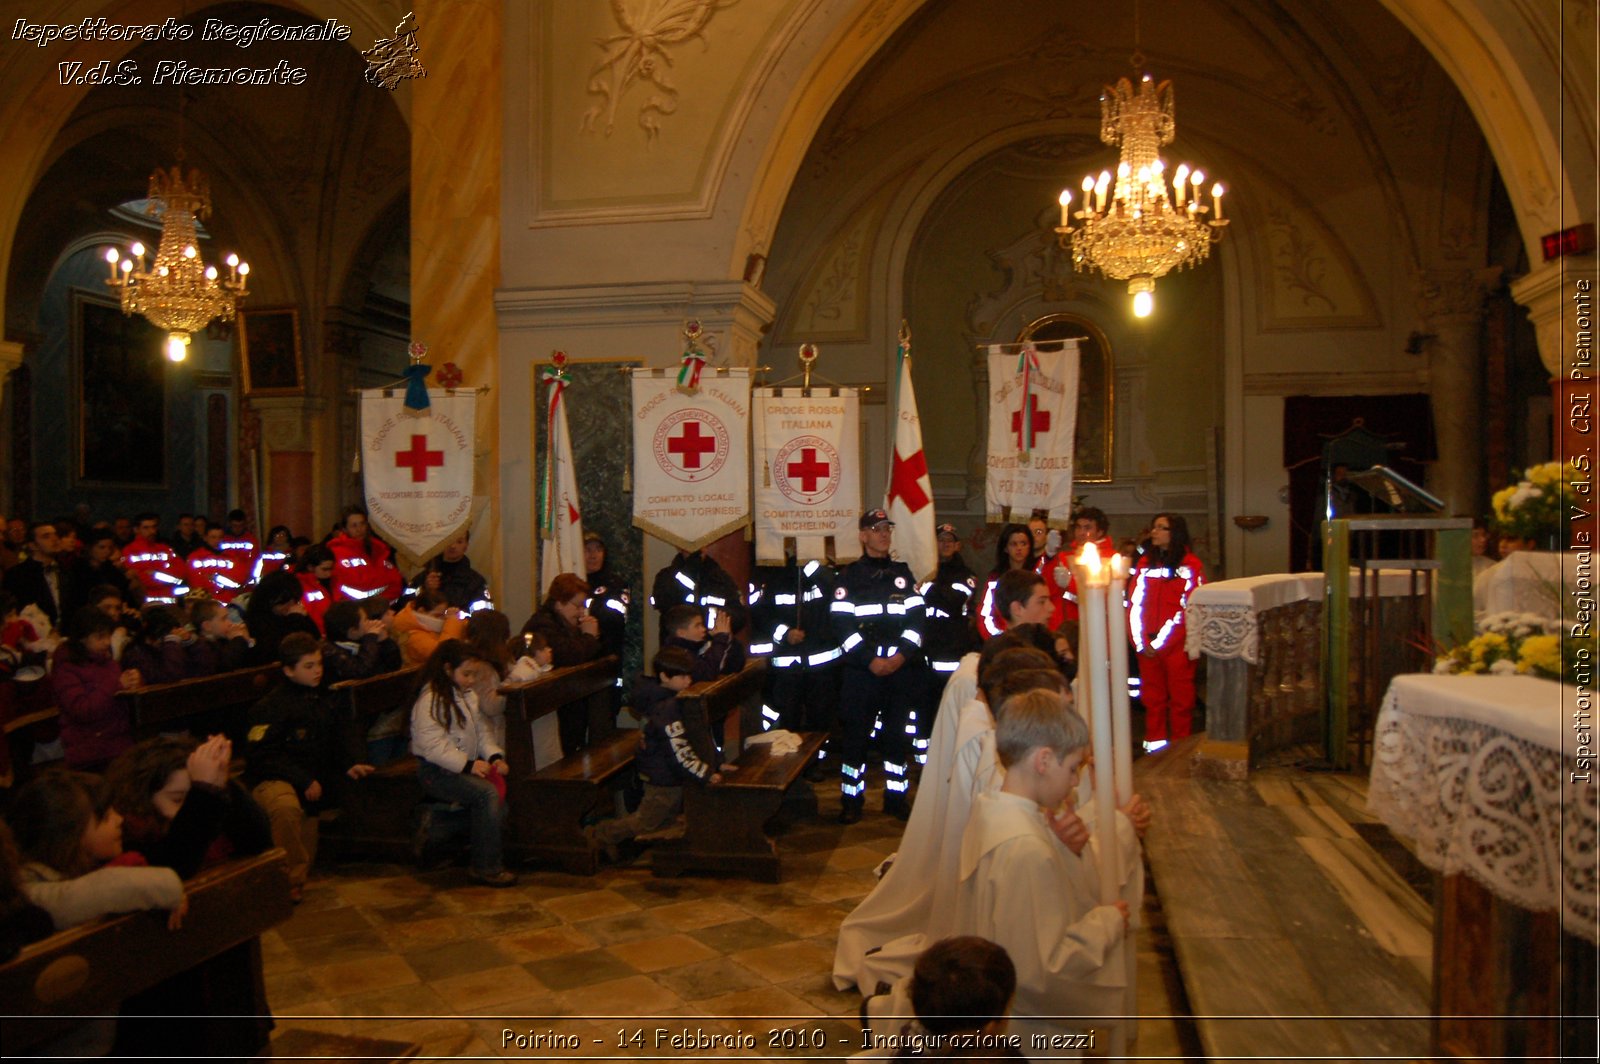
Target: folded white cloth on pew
[{"x": 783, "y": 741}]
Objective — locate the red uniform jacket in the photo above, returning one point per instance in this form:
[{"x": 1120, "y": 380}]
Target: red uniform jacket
[
  {"x": 362, "y": 568},
  {"x": 1157, "y": 599},
  {"x": 1069, "y": 597},
  {"x": 160, "y": 569},
  {"x": 317, "y": 597},
  {"x": 222, "y": 575}
]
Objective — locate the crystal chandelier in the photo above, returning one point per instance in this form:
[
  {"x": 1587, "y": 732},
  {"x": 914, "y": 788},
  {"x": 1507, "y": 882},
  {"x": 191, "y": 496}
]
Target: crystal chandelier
[
  {"x": 1141, "y": 230},
  {"x": 180, "y": 293}
]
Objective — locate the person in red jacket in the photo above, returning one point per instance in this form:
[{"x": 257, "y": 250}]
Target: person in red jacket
[
  {"x": 1159, "y": 588},
  {"x": 222, "y": 574},
  {"x": 1013, "y": 550},
  {"x": 363, "y": 565},
  {"x": 1089, "y": 525},
  {"x": 315, "y": 573},
  {"x": 160, "y": 569},
  {"x": 238, "y": 544}
]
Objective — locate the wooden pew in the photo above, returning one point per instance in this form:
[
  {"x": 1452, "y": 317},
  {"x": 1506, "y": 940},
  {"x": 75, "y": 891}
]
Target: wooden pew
[
  {"x": 548, "y": 804},
  {"x": 724, "y": 824},
  {"x": 377, "y": 814},
  {"x": 203, "y": 706},
  {"x": 89, "y": 970}
]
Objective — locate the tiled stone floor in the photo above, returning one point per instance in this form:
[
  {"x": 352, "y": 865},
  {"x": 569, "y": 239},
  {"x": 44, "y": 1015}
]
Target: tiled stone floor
[{"x": 386, "y": 952}]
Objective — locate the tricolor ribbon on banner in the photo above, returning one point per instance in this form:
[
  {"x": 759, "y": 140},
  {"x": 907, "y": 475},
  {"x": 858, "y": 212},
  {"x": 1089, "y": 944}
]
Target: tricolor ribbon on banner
[
  {"x": 1027, "y": 365},
  {"x": 694, "y": 359},
  {"x": 556, "y": 380}
]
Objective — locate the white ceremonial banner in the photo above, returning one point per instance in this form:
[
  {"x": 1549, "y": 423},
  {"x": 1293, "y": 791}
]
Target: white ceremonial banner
[
  {"x": 807, "y": 473},
  {"x": 691, "y": 456},
  {"x": 560, "y": 514},
  {"x": 909, "y": 496},
  {"x": 1033, "y": 418},
  {"x": 416, "y": 466}
]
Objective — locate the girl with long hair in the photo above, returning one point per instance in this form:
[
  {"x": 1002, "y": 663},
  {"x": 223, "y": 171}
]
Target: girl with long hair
[
  {"x": 458, "y": 759},
  {"x": 1159, "y": 587},
  {"x": 1012, "y": 550}
]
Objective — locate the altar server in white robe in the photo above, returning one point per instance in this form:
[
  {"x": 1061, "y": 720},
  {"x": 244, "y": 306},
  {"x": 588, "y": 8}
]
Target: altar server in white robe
[
  {"x": 899, "y": 905},
  {"x": 1019, "y": 887},
  {"x": 911, "y": 906}
]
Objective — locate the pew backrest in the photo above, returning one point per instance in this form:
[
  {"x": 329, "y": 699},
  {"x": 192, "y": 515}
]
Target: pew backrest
[
  {"x": 202, "y": 705},
  {"x": 527, "y": 702},
  {"x": 89, "y": 970}
]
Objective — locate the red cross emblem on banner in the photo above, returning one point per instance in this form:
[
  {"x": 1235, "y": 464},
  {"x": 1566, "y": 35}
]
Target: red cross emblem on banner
[
  {"x": 419, "y": 458},
  {"x": 905, "y": 482},
  {"x": 690, "y": 444},
  {"x": 809, "y": 470},
  {"x": 1039, "y": 420}
]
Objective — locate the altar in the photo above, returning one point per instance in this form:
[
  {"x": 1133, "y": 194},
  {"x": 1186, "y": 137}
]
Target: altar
[{"x": 1487, "y": 775}]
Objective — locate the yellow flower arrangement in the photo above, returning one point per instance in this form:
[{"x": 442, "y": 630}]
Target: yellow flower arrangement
[
  {"x": 1537, "y": 506},
  {"x": 1511, "y": 643}
]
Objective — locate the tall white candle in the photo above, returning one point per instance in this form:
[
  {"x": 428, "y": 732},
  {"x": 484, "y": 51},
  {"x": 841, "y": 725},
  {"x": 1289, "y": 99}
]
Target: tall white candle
[
  {"x": 1117, "y": 637},
  {"x": 1092, "y": 606}
]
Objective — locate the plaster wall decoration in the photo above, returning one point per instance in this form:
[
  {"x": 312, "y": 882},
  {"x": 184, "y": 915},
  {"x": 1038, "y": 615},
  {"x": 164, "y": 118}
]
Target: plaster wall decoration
[
  {"x": 1312, "y": 283},
  {"x": 834, "y": 302},
  {"x": 683, "y": 73},
  {"x": 1453, "y": 297},
  {"x": 639, "y": 56},
  {"x": 1055, "y": 80}
]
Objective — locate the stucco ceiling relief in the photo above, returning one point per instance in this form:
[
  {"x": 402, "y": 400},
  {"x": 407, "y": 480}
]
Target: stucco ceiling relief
[
  {"x": 639, "y": 56},
  {"x": 834, "y": 303},
  {"x": 1312, "y": 281}
]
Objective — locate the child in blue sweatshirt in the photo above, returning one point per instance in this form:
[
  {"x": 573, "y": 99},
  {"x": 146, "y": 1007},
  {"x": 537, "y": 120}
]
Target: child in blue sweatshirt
[{"x": 673, "y": 753}]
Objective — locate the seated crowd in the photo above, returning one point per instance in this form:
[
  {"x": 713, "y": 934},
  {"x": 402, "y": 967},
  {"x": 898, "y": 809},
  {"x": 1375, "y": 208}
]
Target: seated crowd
[{"x": 92, "y": 615}]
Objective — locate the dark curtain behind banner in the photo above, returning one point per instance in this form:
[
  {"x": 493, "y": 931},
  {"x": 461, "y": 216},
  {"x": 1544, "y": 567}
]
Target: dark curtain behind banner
[
  {"x": 600, "y": 418},
  {"x": 1310, "y": 421}
]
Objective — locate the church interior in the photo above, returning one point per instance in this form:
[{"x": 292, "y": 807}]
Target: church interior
[{"x": 567, "y": 175}]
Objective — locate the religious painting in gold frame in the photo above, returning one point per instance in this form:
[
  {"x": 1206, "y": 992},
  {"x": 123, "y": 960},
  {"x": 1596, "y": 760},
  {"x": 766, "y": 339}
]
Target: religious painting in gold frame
[
  {"x": 1091, "y": 449},
  {"x": 269, "y": 350}
]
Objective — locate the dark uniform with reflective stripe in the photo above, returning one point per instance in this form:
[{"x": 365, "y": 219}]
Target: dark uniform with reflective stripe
[
  {"x": 950, "y": 599},
  {"x": 877, "y": 613},
  {"x": 802, "y": 677},
  {"x": 698, "y": 580}
]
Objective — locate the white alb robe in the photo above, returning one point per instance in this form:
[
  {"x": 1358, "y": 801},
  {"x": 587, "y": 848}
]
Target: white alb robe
[
  {"x": 1022, "y": 889},
  {"x": 899, "y": 904}
]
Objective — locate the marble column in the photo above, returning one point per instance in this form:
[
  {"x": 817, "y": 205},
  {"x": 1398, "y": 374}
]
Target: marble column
[
  {"x": 1451, "y": 305},
  {"x": 288, "y": 466},
  {"x": 456, "y": 118},
  {"x": 10, "y": 360},
  {"x": 599, "y": 322}
]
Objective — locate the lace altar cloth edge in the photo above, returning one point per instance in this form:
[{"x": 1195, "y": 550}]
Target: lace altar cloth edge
[{"x": 1473, "y": 769}]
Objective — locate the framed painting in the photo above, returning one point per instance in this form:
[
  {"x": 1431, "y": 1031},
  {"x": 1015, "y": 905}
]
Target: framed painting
[
  {"x": 121, "y": 383},
  {"x": 269, "y": 348},
  {"x": 1092, "y": 445}
]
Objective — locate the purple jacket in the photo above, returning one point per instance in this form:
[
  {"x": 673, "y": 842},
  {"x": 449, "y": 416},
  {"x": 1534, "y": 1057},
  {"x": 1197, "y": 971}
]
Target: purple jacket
[{"x": 95, "y": 724}]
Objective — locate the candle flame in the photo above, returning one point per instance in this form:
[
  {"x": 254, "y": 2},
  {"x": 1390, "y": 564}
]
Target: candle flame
[{"x": 1089, "y": 557}]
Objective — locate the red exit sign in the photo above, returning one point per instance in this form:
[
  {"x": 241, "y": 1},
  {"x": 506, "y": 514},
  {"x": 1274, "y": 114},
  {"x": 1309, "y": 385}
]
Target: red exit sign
[{"x": 1574, "y": 241}]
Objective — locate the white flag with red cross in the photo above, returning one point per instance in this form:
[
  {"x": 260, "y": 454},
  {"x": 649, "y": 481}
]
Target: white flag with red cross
[
  {"x": 417, "y": 467},
  {"x": 691, "y": 455},
  {"x": 807, "y": 473},
  {"x": 560, "y": 516},
  {"x": 1033, "y": 419},
  {"x": 909, "y": 498}
]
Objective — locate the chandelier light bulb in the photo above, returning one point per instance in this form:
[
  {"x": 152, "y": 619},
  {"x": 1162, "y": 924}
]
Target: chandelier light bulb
[
  {"x": 211, "y": 273},
  {"x": 1197, "y": 177},
  {"x": 112, "y": 256},
  {"x": 1065, "y": 199},
  {"x": 233, "y": 260},
  {"x": 1143, "y": 304},
  {"x": 127, "y": 265},
  {"x": 161, "y": 271},
  {"x": 244, "y": 268},
  {"x": 1088, "y": 184},
  {"x": 137, "y": 249},
  {"x": 177, "y": 347},
  {"x": 188, "y": 251}
]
